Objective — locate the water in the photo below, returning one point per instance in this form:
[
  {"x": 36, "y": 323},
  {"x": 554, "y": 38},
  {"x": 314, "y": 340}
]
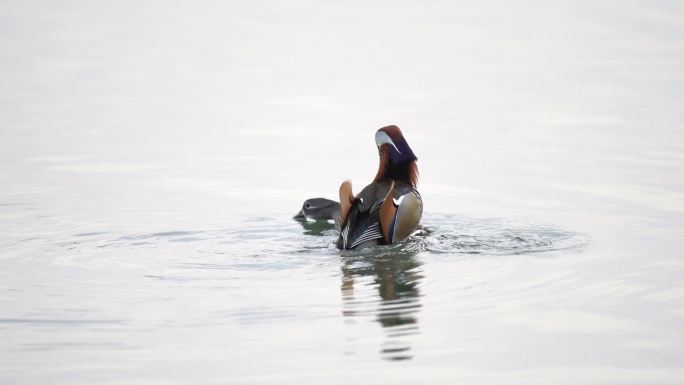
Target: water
[{"x": 151, "y": 159}]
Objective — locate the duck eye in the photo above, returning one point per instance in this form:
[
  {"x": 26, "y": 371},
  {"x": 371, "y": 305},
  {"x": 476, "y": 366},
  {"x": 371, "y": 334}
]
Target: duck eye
[{"x": 307, "y": 205}]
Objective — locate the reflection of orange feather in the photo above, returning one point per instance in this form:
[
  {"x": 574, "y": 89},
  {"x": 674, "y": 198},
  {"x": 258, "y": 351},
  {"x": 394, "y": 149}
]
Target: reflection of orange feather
[{"x": 346, "y": 199}]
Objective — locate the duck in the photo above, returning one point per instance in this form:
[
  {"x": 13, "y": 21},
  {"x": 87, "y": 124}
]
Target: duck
[
  {"x": 390, "y": 208},
  {"x": 319, "y": 209}
]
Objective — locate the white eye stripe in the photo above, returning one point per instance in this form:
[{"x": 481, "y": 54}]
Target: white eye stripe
[{"x": 381, "y": 138}]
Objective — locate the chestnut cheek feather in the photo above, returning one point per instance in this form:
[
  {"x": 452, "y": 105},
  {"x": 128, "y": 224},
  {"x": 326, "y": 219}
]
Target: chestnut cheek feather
[
  {"x": 413, "y": 173},
  {"x": 384, "y": 163}
]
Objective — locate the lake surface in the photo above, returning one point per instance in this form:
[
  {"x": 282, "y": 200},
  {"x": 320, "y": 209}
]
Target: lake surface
[{"x": 152, "y": 157}]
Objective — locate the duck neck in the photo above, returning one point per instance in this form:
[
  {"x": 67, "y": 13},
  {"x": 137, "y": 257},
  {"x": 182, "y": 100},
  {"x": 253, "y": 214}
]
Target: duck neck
[{"x": 405, "y": 172}]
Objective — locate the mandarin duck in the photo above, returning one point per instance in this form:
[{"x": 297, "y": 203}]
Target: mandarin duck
[
  {"x": 319, "y": 209},
  {"x": 389, "y": 209}
]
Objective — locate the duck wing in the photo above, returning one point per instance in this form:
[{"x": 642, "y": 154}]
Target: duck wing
[{"x": 360, "y": 215}]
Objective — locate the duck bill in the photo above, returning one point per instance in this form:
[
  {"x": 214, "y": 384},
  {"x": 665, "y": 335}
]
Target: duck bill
[{"x": 299, "y": 215}]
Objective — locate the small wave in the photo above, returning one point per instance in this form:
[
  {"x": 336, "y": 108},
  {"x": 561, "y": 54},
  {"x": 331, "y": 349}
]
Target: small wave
[
  {"x": 173, "y": 235},
  {"x": 441, "y": 234},
  {"x": 451, "y": 234}
]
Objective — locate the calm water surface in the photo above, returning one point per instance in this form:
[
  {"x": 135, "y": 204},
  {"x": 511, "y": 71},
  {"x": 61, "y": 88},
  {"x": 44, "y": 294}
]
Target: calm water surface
[{"x": 152, "y": 156}]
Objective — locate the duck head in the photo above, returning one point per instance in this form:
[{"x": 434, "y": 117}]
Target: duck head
[
  {"x": 397, "y": 160},
  {"x": 319, "y": 208}
]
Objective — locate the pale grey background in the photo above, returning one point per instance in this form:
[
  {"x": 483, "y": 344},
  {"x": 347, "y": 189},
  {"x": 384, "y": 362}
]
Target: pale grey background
[{"x": 129, "y": 118}]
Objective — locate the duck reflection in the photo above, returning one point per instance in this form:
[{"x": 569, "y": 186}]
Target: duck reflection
[
  {"x": 395, "y": 273},
  {"x": 317, "y": 227}
]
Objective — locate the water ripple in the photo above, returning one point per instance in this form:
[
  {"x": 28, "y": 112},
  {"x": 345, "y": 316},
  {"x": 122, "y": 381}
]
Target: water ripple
[{"x": 449, "y": 234}]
